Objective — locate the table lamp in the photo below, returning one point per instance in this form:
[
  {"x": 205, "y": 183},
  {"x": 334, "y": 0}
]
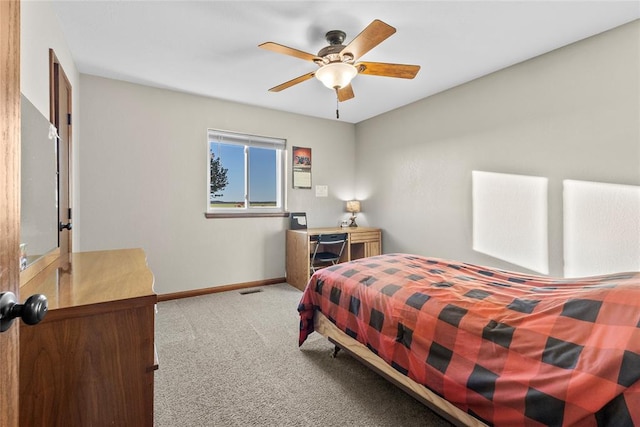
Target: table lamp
[{"x": 353, "y": 206}]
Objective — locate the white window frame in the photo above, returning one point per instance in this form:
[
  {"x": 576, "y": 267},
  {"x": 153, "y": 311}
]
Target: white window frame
[{"x": 248, "y": 140}]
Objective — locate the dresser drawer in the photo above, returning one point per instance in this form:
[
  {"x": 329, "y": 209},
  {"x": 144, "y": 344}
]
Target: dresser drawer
[{"x": 368, "y": 236}]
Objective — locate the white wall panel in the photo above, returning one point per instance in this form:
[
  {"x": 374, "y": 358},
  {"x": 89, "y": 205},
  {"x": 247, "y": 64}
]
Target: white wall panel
[
  {"x": 601, "y": 228},
  {"x": 510, "y": 218}
]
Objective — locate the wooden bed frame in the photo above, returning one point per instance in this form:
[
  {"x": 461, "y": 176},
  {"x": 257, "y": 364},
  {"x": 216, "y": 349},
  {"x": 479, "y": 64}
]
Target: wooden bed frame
[{"x": 425, "y": 396}]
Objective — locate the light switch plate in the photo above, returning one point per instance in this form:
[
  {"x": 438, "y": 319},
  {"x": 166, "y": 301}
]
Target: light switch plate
[{"x": 322, "y": 190}]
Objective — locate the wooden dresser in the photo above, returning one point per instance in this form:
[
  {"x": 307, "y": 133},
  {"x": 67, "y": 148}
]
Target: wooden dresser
[
  {"x": 362, "y": 242},
  {"x": 91, "y": 361}
]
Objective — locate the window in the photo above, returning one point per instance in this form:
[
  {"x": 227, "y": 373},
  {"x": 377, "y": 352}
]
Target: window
[{"x": 245, "y": 174}]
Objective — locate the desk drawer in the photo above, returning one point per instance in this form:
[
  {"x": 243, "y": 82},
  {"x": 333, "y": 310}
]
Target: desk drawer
[{"x": 369, "y": 236}]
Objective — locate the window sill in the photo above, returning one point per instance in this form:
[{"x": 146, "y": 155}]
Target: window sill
[{"x": 211, "y": 215}]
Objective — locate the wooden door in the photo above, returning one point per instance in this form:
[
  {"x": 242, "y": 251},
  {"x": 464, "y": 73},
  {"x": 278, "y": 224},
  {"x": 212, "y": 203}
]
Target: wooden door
[
  {"x": 60, "y": 112},
  {"x": 9, "y": 201}
]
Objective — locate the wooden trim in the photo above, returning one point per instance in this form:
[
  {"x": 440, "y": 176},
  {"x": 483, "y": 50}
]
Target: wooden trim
[
  {"x": 210, "y": 215},
  {"x": 216, "y": 289},
  {"x": 99, "y": 308},
  {"x": 9, "y": 201},
  {"x": 52, "y": 85},
  {"x": 38, "y": 265},
  {"x": 56, "y": 74},
  {"x": 55, "y": 71}
]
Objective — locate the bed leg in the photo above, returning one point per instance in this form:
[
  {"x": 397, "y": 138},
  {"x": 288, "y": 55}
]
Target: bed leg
[{"x": 336, "y": 349}]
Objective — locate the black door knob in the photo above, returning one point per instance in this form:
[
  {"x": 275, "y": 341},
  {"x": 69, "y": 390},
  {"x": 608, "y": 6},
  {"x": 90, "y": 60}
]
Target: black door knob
[
  {"x": 32, "y": 311},
  {"x": 62, "y": 226}
]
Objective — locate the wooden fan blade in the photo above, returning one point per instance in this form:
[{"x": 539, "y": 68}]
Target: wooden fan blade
[
  {"x": 292, "y": 82},
  {"x": 403, "y": 71},
  {"x": 278, "y": 48},
  {"x": 370, "y": 37},
  {"x": 346, "y": 93}
]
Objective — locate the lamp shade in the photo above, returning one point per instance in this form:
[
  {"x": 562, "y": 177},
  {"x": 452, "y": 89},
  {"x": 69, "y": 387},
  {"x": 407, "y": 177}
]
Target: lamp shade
[
  {"x": 353, "y": 206},
  {"x": 336, "y": 75}
]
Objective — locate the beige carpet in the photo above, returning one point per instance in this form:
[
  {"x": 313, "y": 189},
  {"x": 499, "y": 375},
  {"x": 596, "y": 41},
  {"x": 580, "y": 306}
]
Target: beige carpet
[{"x": 229, "y": 359}]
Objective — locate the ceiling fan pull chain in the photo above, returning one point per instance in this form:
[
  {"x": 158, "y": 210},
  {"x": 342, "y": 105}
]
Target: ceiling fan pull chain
[{"x": 337, "y": 106}]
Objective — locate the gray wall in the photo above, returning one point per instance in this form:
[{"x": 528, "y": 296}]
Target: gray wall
[
  {"x": 571, "y": 114},
  {"x": 142, "y": 182}
]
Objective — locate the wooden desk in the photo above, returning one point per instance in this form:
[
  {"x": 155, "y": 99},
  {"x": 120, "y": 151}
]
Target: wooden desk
[
  {"x": 362, "y": 242},
  {"x": 91, "y": 360}
]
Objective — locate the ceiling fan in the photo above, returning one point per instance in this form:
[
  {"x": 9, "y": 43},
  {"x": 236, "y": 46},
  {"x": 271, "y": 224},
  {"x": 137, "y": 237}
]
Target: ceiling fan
[{"x": 338, "y": 64}]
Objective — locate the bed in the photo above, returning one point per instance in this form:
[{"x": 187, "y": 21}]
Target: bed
[{"x": 483, "y": 346}]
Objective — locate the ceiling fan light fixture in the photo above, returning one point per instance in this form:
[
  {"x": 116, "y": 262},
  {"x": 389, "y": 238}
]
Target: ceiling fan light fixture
[{"x": 336, "y": 75}]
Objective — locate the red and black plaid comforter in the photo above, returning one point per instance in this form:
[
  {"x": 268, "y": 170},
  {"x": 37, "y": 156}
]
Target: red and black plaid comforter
[{"x": 509, "y": 348}]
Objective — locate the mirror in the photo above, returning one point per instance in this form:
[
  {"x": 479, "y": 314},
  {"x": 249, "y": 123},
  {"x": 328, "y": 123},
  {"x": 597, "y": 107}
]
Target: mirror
[{"x": 39, "y": 194}]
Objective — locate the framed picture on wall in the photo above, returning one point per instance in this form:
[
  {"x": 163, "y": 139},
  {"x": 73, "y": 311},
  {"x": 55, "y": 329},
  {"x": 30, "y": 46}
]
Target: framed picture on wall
[{"x": 301, "y": 159}]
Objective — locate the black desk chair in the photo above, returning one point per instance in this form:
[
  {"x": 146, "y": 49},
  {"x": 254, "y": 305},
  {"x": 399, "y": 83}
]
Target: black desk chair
[{"x": 328, "y": 250}]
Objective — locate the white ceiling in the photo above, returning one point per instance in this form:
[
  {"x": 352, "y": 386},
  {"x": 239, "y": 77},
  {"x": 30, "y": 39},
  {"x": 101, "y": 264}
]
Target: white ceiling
[{"x": 211, "y": 47}]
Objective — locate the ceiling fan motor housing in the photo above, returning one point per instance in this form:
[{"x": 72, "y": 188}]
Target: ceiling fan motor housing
[
  {"x": 331, "y": 50},
  {"x": 335, "y": 36}
]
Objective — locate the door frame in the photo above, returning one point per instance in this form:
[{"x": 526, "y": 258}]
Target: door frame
[
  {"x": 59, "y": 101},
  {"x": 9, "y": 202}
]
